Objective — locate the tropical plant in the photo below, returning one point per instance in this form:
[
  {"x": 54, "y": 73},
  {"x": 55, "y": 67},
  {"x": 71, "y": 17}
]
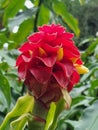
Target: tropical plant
[{"x": 18, "y": 20}]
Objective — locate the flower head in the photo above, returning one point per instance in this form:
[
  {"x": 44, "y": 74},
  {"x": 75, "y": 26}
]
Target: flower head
[{"x": 50, "y": 62}]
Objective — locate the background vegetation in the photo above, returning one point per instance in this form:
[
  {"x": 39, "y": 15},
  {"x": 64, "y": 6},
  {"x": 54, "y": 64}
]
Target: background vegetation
[{"x": 18, "y": 20}]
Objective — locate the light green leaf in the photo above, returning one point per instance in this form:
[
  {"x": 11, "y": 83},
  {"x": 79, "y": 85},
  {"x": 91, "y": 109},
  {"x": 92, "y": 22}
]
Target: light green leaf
[
  {"x": 44, "y": 15},
  {"x": 61, "y": 10},
  {"x": 20, "y": 123},
  {"x": 10, "y": 61},
  {"x": 82, "y": 2},
  {"x": 59, "y": 108},
  {"x": 23, "y": 106},
  {"x": 50, "y": 116},
  {"x": 66, "y": 97},
  {"x": 4, "y": 3},
  {"x": 12, "y": 9}
]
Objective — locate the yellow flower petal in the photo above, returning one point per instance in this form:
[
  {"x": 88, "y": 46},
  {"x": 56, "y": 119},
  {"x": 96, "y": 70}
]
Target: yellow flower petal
[
  {"x": 42, "y": 52},
  {"x": 30, "y": 52},
  {"x": 74, "y": 60},
  {"x": 60, "y": 54},
  {"x": 81, "y": 69}
]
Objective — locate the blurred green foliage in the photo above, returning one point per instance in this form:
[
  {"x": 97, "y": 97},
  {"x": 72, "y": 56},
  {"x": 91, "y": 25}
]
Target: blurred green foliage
[{"x": 18, "y": 20}]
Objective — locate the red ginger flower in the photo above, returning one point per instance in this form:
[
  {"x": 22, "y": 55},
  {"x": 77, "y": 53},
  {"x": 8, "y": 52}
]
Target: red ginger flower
[{"x": 50, "y": 62}]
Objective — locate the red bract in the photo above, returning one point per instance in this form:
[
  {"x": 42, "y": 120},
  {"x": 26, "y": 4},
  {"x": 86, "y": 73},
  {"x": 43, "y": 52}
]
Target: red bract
[{"x": 48, "y": 62}]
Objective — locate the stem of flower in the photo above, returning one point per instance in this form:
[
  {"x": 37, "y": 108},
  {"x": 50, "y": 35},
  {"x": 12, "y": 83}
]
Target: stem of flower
[
  {"x": 36, "y": 16},
  {"x": 39, "y": 117}
]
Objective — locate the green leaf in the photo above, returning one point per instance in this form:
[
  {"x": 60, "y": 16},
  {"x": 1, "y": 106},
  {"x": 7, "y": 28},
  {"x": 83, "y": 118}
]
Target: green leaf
[
  {"x": 61, "y": 10},
  {"x": 85, "y": 41},
  {"x": 92, "y": 47},
  {"x": 59, "y": 108},
  {"x": 92, "y": 69},
  {"x": 66, "y": 97},
  {"x": 50, "y": 116},
  {"x": 23, "y": 106},
  {"x": 20, "y": 123},
  {"x": 3, "y": 39},
  {"x": 19, "y": 19},
  {"x": 24, "y": 30},
  {"x": 89, "y": 119},
  {"x": 3, "y": 102},
  {"x": 5, "y": 55},
  {"x": 93, "y": 88},
  {"x": 5, "y": 88},
  {"x": 4, "y": 3},
  {"x": 96, "y": 51},
  {"x": 16, "y": 85},
  {"x": 82, "y": 2},
  {"x": 44, "y": 15},
  {"x": 74, "y": 113},
  {"x": 12, "y": 9}
]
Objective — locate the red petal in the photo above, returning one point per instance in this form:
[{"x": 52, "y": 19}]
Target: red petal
[
  {"x": 19, "y": 60},
  {"x": 67, "y": 67},
  {"x": 74, "y": 80},
  {"x": 50, "y": 37},
  {"x": 34, "y": 86},
  {"x": 52, "y": 94},
  {"x": 48, "y": 61},
  {"x": 61, "y": 78},
  {"x": 62, "y": 73},
  {"x": 22, "y": 71},
  {"x": 79, "y": 61},
  {"x": 41, "y": 74},
  {"x": 67, "y": 35},
  {"x": 75, "y": 77},
  {"x": 25, "y": 47},
  {"x": 27, "y": 56},
  {"x": 50, "y": 49},
  {"x": 52, "y": 28},
  {"x": 36, "y": 37},
  {"x": 24, "y": 57},
  {"x": 71, "y": 51}
]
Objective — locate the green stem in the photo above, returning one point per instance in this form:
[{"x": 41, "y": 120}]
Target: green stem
[
  {"x": 39, "y": 117},
  {"x": 36, "y": 16}
]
